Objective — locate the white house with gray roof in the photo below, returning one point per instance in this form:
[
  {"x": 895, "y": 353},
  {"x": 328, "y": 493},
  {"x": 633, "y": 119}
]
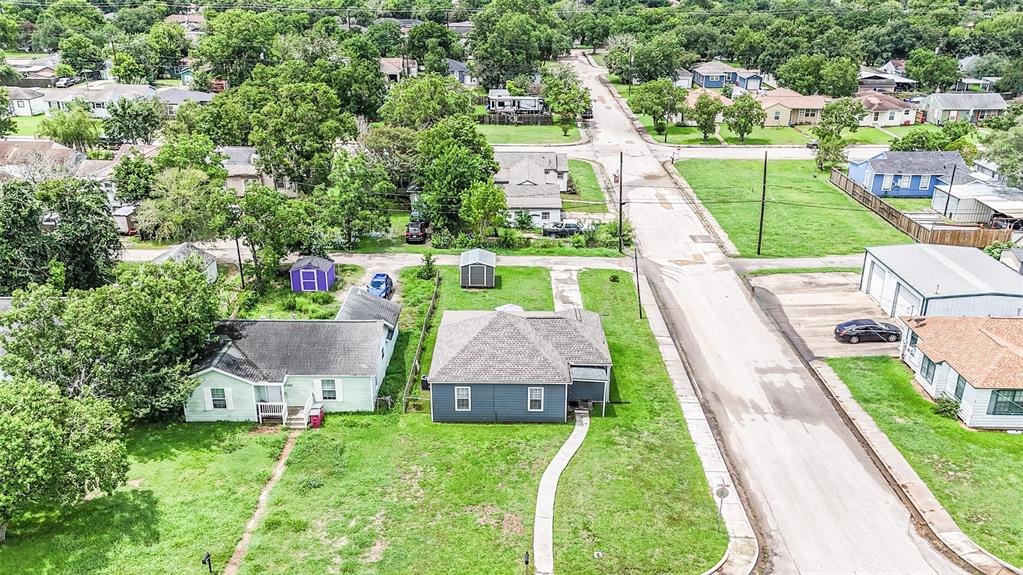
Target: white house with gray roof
[
  {"x": 281, "y": 371},
  {"x": 972, "y": 106},
  {"x": 533, "y": 183},
  {"x": 98, "y": 96},
  {"x": 518, "y": 366}
]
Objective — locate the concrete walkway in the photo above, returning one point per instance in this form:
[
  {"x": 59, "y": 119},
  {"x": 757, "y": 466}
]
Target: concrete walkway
[
  {"x": 543, "y": 523},
  {"x": 565, "y": 283},
  {"x": 745, "y": 265},
  {"x": 243, "y": 544}
]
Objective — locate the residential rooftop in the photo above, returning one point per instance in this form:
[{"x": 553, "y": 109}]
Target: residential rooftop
[
  {"x": 360, "y": 305},
  {"x": 949, "y": 271},
  {"x": 986, "y": 351}
]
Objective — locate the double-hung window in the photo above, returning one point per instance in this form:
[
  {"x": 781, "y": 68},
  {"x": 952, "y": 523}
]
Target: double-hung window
[
  {"x": 960, "y": 388},
  {"x": 535, "y": 401},
  {"x": 1006, "y": 402},
  {"x": 925, "y": 182},
  {"x": 463, "y": 399},
  {"x": 218, "y": 397},
  {"x": 886, "y": 182},
  {"x": 328, "y": 389},
  {"x": 927, "y": 370}
]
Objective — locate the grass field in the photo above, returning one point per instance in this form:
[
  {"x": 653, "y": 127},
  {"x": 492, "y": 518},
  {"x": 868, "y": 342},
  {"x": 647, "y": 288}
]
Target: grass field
[
  {"x": 909, "y": 204},
  {"x": 590, "y": 196},
  {"x": 901, "y": 131},
  {"x": 279, "y": 302},
  {"x": 191, "y": 488},
  {"x": 27, "y": 125},
  {"x": 527, "y": 134},
  {"x": 23, "y": 55},
  {"x": 684, "y": 135},
  {"x": 974, "y": 474},
  {"x": 804, "y": 216},
  {"x": 766, "y": 136},
  {"x": 635, "y": 491},
  {"x": 866, "y": 136}
]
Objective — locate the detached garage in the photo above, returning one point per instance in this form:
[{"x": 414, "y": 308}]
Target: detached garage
[
  {"x": 478, "y": 268},
  {"x": 938, "y": 280}
]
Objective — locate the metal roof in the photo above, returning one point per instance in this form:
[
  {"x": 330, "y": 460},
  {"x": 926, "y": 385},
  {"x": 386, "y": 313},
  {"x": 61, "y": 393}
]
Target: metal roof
[
  {"x": 944, "y": 271},
  {"x": 1005, "y": 200},
  {"x": 182, "y": 252},
  {"x": 477, "y": 256}
]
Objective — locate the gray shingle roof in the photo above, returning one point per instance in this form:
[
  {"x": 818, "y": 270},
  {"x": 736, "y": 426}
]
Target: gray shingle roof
[
  {"x": 968, "y": 101},
  {"x": 510, "y": 348},
  {"x": 921, "y": 163},
  {"x": 181, "y": 252},
  {"x": 312, "y": 262},
  {"x": 456, "y": 66},
  {"x": 530, "y": 179},
  {"x": 477, "y": 256},
  {"x": 269, "y": 350},
  {"x": 360, "y": 305}
]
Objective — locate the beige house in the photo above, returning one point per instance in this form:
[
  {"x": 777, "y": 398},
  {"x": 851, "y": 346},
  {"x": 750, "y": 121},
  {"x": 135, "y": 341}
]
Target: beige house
[
  {"x": 884, "y": 110},
  {"x": 695, "y": 94},
  {"x": 786, "y": 107}
]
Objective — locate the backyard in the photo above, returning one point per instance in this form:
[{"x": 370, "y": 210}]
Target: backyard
[
  {"x": 805, "y": 215},
  {"x": 589, "y": 196},
  {"x": 866, "y": 136},
  {"x": 520, "y": 134},
  {"x": 909, "y": 204},
  {"x": 974, "y": 474},
  {"x": 191, "y": 488},
  {"x": 27, "y": 125},
  {"x": 279, "y": 302}
]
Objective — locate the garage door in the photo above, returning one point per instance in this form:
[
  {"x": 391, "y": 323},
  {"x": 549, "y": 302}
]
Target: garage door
[
  {"x": 906, "y": 302},
  {"x": 875, "y": 282}
]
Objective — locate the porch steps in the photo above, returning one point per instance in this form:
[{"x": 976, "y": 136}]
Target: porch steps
[{"x": 294, "y": 418}]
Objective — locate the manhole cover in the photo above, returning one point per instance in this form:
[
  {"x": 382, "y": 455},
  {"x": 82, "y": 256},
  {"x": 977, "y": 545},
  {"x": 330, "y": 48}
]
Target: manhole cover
[{"x": 704, "y": 239}]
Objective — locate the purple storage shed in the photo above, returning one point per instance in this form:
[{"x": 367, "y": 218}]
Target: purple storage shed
[{"x": 312, "y": 273}]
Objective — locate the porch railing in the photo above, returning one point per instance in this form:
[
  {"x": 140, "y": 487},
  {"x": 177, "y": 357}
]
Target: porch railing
[
  {"x": 308, "y": 407},
  {"x": 270, "y": 409}
]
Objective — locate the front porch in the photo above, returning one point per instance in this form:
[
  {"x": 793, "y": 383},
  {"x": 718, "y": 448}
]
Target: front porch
[{"x": 273, "y": 409}]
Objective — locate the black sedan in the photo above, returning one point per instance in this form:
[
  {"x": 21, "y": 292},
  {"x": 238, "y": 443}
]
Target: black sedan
[{"x": 857, "y": 330}]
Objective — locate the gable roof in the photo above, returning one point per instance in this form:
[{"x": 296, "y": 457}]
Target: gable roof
[
  {"x": 516, "y": 347},
  {"x": 921, "y": 163},
  {"x": 477, "y": 256},
  {"x": 13, "y": 152},
  {"x": 316, "y": 262},
  {"x": 173, "y": 95},
  {"x": 182, "y": 252},
  {"x": 456, "y": 66},
  {"x": 792, "y": 100},
  {"x": 714, "y": 68},
  {"x": 986, "y": 351},
  {"x": 530, "y": 179},
  {"x": 359, "y": 305},
  {"x": 875, "y": 101},
  {"x": 270, "y": 350},
  {"x": 695, "y": 94},
  {"x": 18, "y": 93},
  {"x": 967, "y": 101},
  {"x": 937, "y": 271}
]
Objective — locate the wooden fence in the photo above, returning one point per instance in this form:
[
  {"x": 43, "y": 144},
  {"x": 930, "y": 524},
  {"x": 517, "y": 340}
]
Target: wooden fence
[
  {"x": 523, "y": 119},
  {"x": 965, "y": 236},
  {"x": 416, "y": 368}
]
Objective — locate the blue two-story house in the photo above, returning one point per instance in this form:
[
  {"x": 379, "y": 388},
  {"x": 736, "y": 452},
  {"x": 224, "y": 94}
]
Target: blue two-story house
[
  {"x": 908, "y": 174},
  {"x": 714, "y": 74}
]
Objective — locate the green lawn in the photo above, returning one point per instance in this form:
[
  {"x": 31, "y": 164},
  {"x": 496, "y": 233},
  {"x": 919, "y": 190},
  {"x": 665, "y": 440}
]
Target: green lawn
[
  {"x": 635, "y": 491},
  {"x": 866, "y": 136},
  {"x": 901, "y": 131},
  {"x": 170, "y": 82},
  {"x": 805, "y": 215},
  {"x": 598, "y": 59},
  {"x": 27, "y": 125},
  {"x": 778, "y": 271},
  {"x": 134, "y": 243},
  {"x": 23, "y": 55},
  {"x": 590, "y": 196},
  {"x": 766, "y": 136},
  {"x": 191, "y": 488},
  {"x": 909, "y": 204},
  {"x": 684, "y": 135},
  {"x": 279, "y": 302},
  {"x": 527, "y": 134},
  {"x": 974, "y": 474}
]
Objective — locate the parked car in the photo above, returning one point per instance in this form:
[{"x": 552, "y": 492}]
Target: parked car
[
  {"x": 380, "y": 286},
  {"x": 66, "y": 82},
  {"x": 588, "y": 114},
  {"x": 857, "y": 330},
  {"x": 563, "y": 229},
  {"x": 813, "y": 144},
  {"x": 415, "y": 233}
]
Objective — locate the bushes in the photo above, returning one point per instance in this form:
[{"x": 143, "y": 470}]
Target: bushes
[{"x": 946, "y": 407}]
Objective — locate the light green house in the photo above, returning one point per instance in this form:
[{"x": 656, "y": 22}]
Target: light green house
[{"x": 283, "y": 371}]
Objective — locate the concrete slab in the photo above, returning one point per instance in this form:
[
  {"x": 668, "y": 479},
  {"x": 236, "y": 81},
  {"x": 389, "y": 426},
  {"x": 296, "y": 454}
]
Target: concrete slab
[
  {"x": 543, "y": 524},
  {"x": 813, "y": 304}
]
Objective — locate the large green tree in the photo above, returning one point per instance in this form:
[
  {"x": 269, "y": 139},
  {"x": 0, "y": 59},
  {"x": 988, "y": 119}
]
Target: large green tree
[
  {"x": 659, "y": 99},
  {"x": 85, "y": 239},
  {"x": 65, "y": 17},
  {"x": 564, "y": 94},
  {"x": 80, "y": 52},
  {"x": 421, "y": 101},
  {"x": 705, "y": 112},
  {"x": 73, "y": 127},
  {"x": 24, "y": 249},
  {"x": 353, "y": 202},
  {"x": 419, "y": 37},
  {"x": 56, "y": 450},
  {"x": 1006, "y": 149},
  {"x": 184, "y": 206},
  {"x": 271, "y": 225},
  {"x": 744, "y": 115},
  {"x": 134, "y": 120},
  {"x": 934, "y": 71},
  {"x": 817, "y": 74},
  {"x": 235, "y": 41},
  {"x": 134, "y": 177},
  {"x": 483, "y": 204},
  {"x": 192, "y": 151}
]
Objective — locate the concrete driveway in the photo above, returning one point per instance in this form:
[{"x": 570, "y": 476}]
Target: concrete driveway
[{"x": 812, "y": 304}]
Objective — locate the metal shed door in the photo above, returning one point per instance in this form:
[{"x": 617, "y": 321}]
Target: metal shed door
[
  {"x": 477, "y": 275},
  {"x": 906, "y": 302}
]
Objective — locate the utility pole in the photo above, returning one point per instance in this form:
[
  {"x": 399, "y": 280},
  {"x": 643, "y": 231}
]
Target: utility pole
[
  {"x": 631, "y": 60},
  {"x": 621, "y": 201},
  {"x": 948, "y": 194},
  {"x": 763, "y": 203}
]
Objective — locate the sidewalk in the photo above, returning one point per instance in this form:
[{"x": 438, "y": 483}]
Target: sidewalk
[
  {"x": 543, "y": 524},
  {"x": 745, "y": 265}
]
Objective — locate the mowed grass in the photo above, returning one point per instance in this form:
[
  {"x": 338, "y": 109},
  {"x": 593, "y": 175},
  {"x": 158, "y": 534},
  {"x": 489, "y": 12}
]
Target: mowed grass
[
  {"x": 27, "y": 125},
  {"x": 781, "y": 271},
  {"x": 391, "y": 493},
  {"x": 191, "y": 489},
  {"x": 804, "y": 216},
  {"x": 635, "y": 491},
  {"x": 496, "y": 134},
  {"x": 866, "y": 136},
  {"x": 901, "y": 131},
  {"x": 765, "y": 137},
  {"x": 909, "y": 204},
  {"x": 679, "y": 135},
  {"x": 589, "y": 196},
  {"x": 974, "y": 474}
]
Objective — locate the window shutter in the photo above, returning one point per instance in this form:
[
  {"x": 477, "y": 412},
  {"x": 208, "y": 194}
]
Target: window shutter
[
  {"x": 227, "y": 398},
  {"x": 208, "y": 397},
  {"x": 318, "y": 390}
]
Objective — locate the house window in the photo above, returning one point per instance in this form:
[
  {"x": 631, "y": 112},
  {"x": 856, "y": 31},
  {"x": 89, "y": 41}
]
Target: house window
[
  {"x": 545, "y": 215},
  {"x": 886, "y": 183},
  {"x": 891, "y": 116},
  {"x": 218, "y": 397},
  {"x": 1006, "y": 402},
  {"x": 913, "y": 339},
  {"x": 897, "y": 181},
  {"x": 925, "y": 182},
  {"x": 328, "y": 388},
  {"x": 960, "y": 387},
  {"x": 535, "y": 399},
  {"x": 927, "y": 370},
  {"x": 463, "y": 399},
  {"x": 21, "y": 104},
  {"x": 777, "y": 115}
]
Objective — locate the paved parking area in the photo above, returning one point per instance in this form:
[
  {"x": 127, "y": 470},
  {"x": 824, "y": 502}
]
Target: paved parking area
[{"x": 808, "y": 306}]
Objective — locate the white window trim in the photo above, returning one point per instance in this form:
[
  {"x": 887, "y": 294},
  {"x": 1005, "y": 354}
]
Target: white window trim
[
  {"x": 337, "y": 389},
  {"x": 302, "y": 279},
  {"x": 468, "y": 397},
  {"x": 228, "y": 403},
  {"x": 925, "y": 182},
  {"x": 886, "y": 182},
  {"x": 529, "y": 398}
]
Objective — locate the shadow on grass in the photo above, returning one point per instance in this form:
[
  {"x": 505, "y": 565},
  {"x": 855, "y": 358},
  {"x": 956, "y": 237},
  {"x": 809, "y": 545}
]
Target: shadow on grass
[{"x": 165, "y": 441}]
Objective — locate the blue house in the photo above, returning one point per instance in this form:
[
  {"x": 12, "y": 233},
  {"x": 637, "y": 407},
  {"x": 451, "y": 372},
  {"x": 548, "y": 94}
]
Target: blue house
[
  {"x": 908, "y": 174},
  {"x": 714, "y": 74},
  {"x": 312, "y": 273},
  {"x": 749, "y": 80},
  {"x": 518, "y": 366}
]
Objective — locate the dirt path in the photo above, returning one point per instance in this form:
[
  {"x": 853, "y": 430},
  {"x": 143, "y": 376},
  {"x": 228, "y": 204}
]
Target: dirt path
[{"x": 243, "y": 544}]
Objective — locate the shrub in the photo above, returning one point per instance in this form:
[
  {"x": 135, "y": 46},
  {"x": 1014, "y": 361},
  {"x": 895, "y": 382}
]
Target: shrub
[
  {"x": 579, "y": 241},
  {"x": 544, "y": 243},
  {"x": 614, "y": 278},
  {"x": 523, "y": 221},
  {"x": 427, "y": 270},
  {"x": 321, "y": 297},
  {"x": 290, "y": 303},
  {"x": 442, "y": 239},
  {"x": 946, "y": 407},
  {"x": 509, "y": 239},
  {"x": 607, "y": 235},
  {"x": 466, "y": 241}
]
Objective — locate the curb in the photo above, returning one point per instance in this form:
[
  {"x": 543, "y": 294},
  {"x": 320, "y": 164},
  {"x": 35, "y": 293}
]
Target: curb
[
  {"x": 743, "y": 551},
  {"x": 720, "y": 237},
  {"x": 924, "y": 506}
]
